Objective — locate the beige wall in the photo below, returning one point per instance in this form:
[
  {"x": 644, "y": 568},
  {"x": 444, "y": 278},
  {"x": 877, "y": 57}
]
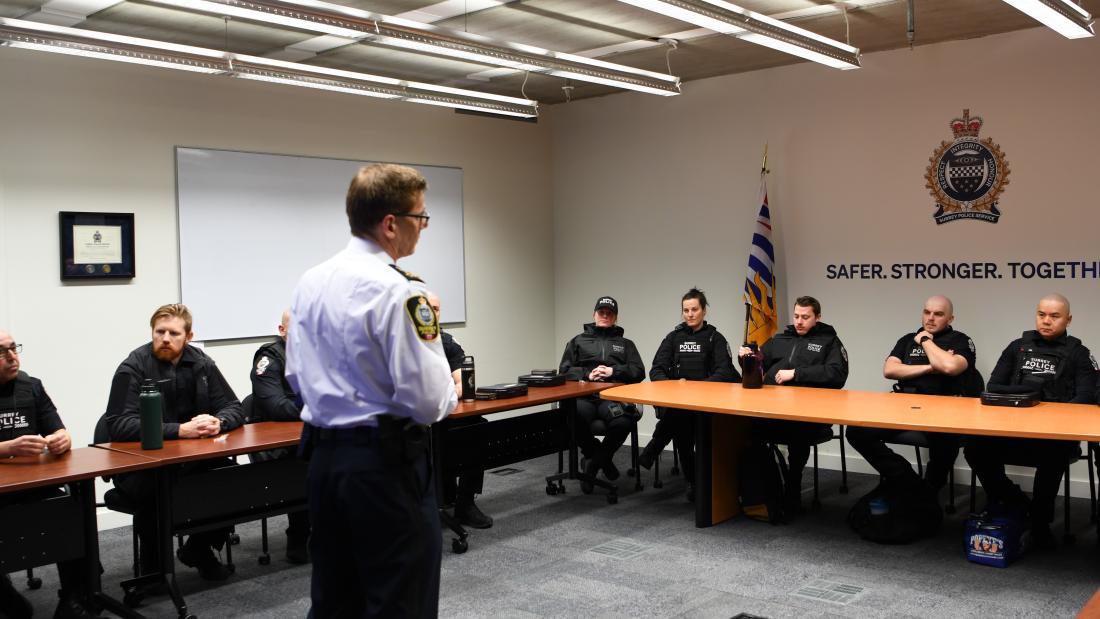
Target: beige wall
[
  {"x": 93, "y": 136},
  {"x": 638, "y": 197},
  {"x": 655, "y": 195}
]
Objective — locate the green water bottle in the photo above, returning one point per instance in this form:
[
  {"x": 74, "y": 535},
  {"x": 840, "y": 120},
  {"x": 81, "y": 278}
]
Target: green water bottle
[{"x": 152, "y": 415}]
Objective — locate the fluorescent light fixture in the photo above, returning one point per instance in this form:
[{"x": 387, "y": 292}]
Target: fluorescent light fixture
[
  {"x": 726, "y": 18},
  {"x": 376, "y": 29},
  {"x": 1062, "y": 16},
  {"x": 104, "y": 46}
]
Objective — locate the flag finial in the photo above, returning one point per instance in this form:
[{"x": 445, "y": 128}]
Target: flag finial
[{"x": 764, "y": 164}]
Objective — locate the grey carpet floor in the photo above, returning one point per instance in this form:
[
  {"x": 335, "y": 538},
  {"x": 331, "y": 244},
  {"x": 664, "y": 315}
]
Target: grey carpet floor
[{"x": 574, "y": 555}]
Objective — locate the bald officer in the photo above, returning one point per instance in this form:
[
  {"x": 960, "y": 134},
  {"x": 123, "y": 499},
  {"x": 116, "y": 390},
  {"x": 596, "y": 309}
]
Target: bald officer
[{"x": 365, "y": 353}]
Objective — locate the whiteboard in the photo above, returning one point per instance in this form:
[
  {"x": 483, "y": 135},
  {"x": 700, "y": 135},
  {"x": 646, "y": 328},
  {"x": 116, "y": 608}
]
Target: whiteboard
[{"x": 251, "y": 224}]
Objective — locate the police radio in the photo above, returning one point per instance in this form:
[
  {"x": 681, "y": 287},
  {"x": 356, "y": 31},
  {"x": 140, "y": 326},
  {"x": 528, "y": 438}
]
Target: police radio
[{"x": 469, "y": 383}]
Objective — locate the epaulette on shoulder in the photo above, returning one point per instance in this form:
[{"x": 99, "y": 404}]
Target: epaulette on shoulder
[{"x": 409, "y": 276}]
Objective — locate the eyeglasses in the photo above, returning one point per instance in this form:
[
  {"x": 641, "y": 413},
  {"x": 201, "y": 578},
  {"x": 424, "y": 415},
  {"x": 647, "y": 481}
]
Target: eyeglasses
[
  {"x": 12, "y": 350},
  {"x": 423, "y": 217}
]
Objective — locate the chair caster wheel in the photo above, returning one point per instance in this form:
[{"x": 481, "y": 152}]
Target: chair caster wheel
[
  {"x": 844, "y": 489},
  {"x": 612, "y": 499},
  {"x": 34, "y": 582},
  {"x": 658, "y": 484},
  {"x": 561, "y": 487},
  {"x": 551, "y": 489},
  {"x": 459, "y": 546},
  {"x": 265, "y": 559}
]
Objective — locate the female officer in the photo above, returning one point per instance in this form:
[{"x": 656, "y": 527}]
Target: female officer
[{"x": 695, "y": 350}]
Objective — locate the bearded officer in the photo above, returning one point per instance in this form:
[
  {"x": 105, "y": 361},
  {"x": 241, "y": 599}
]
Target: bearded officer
[{"x": 365, "y": 354}]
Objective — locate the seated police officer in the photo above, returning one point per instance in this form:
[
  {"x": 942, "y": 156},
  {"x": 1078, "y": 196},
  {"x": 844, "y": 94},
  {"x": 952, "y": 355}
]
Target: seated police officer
[
  {"x": 274, "y": 400},
  {"x": 1059, "y": 368},
  {"x": 198, "y": 403},
  {"x": 807, "y": 354},
  {"x": 602, "y": 354},
  {"x": 30, "y": 425},
  {"x": 461, "y": 492},
  {"x": 933, "y": 361},
  {"x": 694, "y": 350}
]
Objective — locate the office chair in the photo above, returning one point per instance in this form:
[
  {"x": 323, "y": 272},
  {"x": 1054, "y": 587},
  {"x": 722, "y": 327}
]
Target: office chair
[{"x": 555, "y": 484}]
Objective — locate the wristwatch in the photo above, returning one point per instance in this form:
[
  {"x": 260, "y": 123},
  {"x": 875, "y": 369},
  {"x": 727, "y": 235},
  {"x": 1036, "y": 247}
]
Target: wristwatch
[{"x": 924, "y": 339}]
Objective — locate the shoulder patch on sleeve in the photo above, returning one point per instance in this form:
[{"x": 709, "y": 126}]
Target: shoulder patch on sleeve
[
  {"x": 407, "y": 275},
  {"x": 1092, "y": 359},
  {"x": 423, "y": 318},
  {"x": 261, "y": 365},
  {"x": 844, "y": 353}
]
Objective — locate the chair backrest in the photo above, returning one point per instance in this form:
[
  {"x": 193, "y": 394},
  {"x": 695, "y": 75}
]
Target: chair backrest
[
  {"x": 247, "y": 409},
  {"x": 101, "y": 434}
]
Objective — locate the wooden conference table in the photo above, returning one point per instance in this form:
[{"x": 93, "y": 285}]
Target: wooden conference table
[
  {"x": 59, "y": 528},
  {"x": 213, "y": 499},
  {"x": 730, "y": 404}
]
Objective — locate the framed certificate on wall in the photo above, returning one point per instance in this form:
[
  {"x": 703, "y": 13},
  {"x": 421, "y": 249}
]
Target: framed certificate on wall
[{"x": 97, "y": 245}]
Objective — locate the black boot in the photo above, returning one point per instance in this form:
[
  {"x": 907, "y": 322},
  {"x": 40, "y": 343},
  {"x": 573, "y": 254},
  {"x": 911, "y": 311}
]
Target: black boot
[
  {"x": 467, "y": 513},
  {"x": 198, "y": 555},
  {"x": 591, "y": 469},
  {"x": 12, "y": 603},
  {"x": 648, "y": 457},
  {"x": 297, "y": 549},
  {"x": 69, "y": 607}
]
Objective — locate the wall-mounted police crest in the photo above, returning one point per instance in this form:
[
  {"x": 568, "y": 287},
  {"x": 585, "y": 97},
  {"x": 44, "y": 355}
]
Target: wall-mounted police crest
[{"x": 966, "y": 175}]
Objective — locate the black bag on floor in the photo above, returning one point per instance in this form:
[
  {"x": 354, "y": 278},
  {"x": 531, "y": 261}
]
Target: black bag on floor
[
  {"x": 762, "y": 475},
  {"x": 892, "y": 515}
]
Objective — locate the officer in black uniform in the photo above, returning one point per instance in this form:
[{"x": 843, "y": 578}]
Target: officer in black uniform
[
  {"x": 694, "y": 350},
  {"x": 274, "y": 400},
  {"x": 461, "y": 491},
  {"x": 1060, "y": 369},
  {"x": 198, "y": 403},
  {"x": 602, "y": 354},
  {"x": 30, "y": 425},
  {"x": 807, "y": 354},
  {"x": 934, "y": 360}
]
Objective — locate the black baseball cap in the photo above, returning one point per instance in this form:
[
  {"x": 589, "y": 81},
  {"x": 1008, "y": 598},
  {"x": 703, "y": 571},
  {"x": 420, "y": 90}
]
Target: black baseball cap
[{"x": 607, "y": 302}]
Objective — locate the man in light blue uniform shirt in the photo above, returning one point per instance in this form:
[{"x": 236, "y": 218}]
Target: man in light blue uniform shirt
[{"x": 365, "y": 354}]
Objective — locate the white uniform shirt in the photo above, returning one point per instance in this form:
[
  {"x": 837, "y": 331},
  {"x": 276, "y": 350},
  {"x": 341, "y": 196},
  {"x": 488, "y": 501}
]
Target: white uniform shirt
[{"x": 361, "y": 343}]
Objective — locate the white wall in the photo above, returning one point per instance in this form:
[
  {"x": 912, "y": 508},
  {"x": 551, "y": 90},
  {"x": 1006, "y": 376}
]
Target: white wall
[
  {"x": 87, "y": 135},
  {"x": 654, "y": 195}
]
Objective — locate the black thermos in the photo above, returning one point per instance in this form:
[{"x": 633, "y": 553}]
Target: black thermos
[
  {"x": 469, "y": 383},
  {"x": 752, "y": 368}
]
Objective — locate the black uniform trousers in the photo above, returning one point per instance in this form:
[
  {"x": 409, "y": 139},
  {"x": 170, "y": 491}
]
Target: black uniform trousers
[
  {"x": 798, "y": 436},
  {"x": 943, "y": 449},
  {"x": 594, "y": 418},
  {"x": 376, "y": 542},
  {"x": 679, "y": 425},
  {"x": 988, "y": 456},
  {"x": 140, "y": 490},
  {"x": 70, "y": 574},
  {"x": 469, "y": 482}
]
